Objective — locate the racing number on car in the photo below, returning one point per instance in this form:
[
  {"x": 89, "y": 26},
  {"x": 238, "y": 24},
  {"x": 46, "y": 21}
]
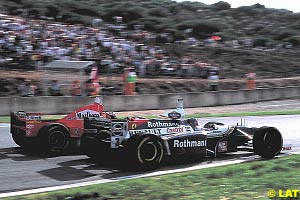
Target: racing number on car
[{"x": 115, "y": 142}]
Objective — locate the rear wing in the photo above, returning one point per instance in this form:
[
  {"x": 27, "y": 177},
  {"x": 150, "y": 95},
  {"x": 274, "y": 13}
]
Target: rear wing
[
  {"x": 23, "y": 120},
  {"x": 18, "y": 118}
]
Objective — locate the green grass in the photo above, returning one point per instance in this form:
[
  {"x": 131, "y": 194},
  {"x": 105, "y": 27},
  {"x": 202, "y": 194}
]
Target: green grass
[
  {"x": 241, "y": 114},
  {"x": 250, "y": 180},
  {"x": 6, "y": 119},
  {"x": 238, "y": 114}
]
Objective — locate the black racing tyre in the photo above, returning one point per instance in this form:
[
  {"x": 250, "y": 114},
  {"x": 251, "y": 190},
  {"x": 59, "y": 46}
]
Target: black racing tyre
[
  {"x": 145, "y": 151},
  {"x": 96, "y": 147},
  {"x": 55, "y": 139},
  {"x": 267, "y": 142}
]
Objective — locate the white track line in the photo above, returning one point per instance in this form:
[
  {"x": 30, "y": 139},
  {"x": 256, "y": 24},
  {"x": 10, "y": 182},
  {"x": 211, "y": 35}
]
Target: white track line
[
  {"x": 62, "y": 187},
  {"x": 4, "y": 125},
  {"x": 157, "y": 173}
]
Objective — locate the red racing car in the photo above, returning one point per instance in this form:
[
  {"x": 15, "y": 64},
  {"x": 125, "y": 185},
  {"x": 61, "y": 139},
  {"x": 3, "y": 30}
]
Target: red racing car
[{"x": 30, "y": 130}]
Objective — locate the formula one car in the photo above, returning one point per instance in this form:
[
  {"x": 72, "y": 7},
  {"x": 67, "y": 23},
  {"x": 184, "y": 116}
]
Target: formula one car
[
  {"x": 30, "y": 130},
  {"x": 145, "y": 142}
]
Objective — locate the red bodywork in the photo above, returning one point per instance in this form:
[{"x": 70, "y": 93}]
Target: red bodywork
[{"x": 32, "y": 123}]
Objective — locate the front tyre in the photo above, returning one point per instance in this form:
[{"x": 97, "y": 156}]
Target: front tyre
[
  {"x": 145, "y": 151},
  {"x": 267, "y": 142}
]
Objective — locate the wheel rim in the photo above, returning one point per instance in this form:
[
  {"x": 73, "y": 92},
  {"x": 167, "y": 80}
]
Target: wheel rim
[
  {"x": 147, "y": 151},
  {"x": 57, "y": 140}
]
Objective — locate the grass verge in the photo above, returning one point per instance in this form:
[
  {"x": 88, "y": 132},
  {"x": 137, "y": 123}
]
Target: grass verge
[
  {"x": 237, "y": 114},
  {"x": 250, "y": 180},
  {"x": 6, "y": 119},
  {"x": 241, "y": 114}
]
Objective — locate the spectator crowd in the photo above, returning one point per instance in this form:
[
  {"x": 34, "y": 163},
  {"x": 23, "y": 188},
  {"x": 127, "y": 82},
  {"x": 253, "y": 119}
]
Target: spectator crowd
[{"x": 29, "y": 43}]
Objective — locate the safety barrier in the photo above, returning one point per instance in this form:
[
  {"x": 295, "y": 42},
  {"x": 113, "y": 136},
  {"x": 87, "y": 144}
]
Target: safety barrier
[{"x": 65, "y": 104}]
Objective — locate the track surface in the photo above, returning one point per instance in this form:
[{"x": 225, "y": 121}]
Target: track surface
[{"x": 23, "y": 170}]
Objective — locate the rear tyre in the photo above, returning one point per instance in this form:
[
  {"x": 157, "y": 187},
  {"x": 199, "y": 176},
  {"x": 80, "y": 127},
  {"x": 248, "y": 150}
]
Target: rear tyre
[
  {"x": 267, "y": 142},
  {"x": 56, "y": 139},
  {"x": 145, "y": 151}
]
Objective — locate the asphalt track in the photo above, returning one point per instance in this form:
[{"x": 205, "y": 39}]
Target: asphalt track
[{"x": 22, "y": 170}]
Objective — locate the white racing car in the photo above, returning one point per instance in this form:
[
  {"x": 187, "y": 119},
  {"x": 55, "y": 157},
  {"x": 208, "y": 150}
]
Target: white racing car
[{"x": 145, "y": 142}]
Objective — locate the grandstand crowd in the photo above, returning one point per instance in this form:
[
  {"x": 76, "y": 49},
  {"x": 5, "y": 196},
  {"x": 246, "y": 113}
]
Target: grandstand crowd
[{"x": 29, "y": 43}]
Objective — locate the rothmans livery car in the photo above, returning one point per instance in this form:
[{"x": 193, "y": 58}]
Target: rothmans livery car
[
  {"x": 146, "y": 142},
  {"x": 29, "y": 129}
]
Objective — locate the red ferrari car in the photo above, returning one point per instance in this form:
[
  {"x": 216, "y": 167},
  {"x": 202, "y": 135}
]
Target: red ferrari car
[{"x": 31, "y": 130}]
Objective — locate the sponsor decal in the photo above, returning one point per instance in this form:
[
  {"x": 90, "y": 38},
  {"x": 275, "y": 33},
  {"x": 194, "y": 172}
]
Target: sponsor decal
[
  {"x": 217, "y": 131},
  {"x": 175, "y": 130},
  {"x": 189, "y": 143},
  {"x": 174, "y": 115},
  {"x": 162, "y": 124},
  {"x": 34, "y": 117},
  {"x": 288, "y": 148},
  {"x": 222, "y": 146},
  {"x": 29, "y": 126},
  {"x": 151, "y": 131},
  {"x": 289, "y": 193},
  {"x": 87, "y": 114},
  {"x": 117, "y": 127},
  {"x": 133, "y": 126},
  {"x": 137, "y": 125}
]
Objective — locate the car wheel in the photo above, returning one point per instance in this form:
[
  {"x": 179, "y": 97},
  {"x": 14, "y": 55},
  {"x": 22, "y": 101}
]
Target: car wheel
[
  {"x": 267, "y": 142},
  {"x": 146, "y": 151},
  {"x": 55, "y": 139}
]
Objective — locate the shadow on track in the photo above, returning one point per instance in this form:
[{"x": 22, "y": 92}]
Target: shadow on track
[
  {"x": 21, "y": 154},
  {"x": 73, "y": 166}
]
